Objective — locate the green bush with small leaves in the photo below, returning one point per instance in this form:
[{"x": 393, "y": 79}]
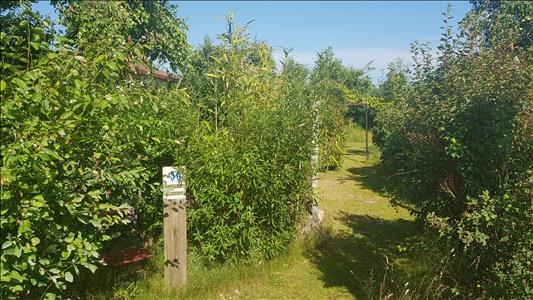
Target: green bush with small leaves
[
  {"x": 82, "y": 140},
  {"x": 457, "y": 141}
]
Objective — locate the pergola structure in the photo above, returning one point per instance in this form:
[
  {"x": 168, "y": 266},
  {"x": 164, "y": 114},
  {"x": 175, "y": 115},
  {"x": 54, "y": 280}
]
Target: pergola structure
[{"x": 356, "y": 104}]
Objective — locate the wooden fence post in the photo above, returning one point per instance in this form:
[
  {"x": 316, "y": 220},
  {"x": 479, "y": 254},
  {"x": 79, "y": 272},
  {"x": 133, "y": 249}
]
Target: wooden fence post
[{"x": 174, "y": 227}]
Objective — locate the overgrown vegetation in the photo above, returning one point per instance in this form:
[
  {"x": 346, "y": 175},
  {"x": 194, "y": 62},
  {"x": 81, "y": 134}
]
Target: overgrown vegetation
[
  {"x": 249, "y": 161},
  {"x": 334, "y": 85},
  {"x": 458, "y": 144},
  {"x": 84, "y": 138},
  {"x": 81, "y": 141}
]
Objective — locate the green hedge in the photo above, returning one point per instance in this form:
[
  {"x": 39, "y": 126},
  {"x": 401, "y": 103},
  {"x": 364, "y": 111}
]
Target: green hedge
[
  {"x": 458, "y": 145},
  {"x": 84, "y": 136},
  {"x": 81, "y": 138},
  {"x": 248, "y": 164}
]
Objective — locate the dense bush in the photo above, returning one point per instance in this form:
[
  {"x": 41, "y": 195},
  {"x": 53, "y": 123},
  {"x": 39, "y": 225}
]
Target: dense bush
[
  {"x": 248, "y": 164},
  {"x": 153, "y": 26},
  {"x": 81, "y": 139},
  {"x": 334, "y": 86},
  {"x": 458, "y": 143},
  {"x": 332, "y": 106}
]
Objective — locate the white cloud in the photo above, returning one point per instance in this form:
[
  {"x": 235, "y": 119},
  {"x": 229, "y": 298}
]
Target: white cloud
[{"x": 356, "y": 57}]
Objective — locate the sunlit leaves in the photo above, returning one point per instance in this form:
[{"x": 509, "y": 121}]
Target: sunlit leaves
[
  {"x": 459, "y": 149},
  {"x": 248, "y": 162},
  {"x": 71, "y": 155}
]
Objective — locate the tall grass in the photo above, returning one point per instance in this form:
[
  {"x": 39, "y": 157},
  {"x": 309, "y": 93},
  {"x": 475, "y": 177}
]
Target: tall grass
[{"x": 145, "y": 280}]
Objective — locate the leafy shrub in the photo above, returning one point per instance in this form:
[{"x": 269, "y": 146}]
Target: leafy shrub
[
  {"x": 153, "y": 26},
  {"x": 457, "y": 143},
  {"x": 79, "y": 142},
  {"x": 332, "y": 107},
  {"x": 248, "y": 164},
  {"x": 335, "y": 85}
]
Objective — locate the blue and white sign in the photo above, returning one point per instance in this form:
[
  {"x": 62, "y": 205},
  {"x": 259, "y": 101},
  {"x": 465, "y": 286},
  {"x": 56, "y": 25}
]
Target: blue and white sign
[{"x": 173, "y": 185}]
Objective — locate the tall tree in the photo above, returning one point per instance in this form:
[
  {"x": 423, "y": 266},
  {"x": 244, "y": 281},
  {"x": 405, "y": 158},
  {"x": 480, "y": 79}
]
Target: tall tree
[
  {"x": 152, "y": 24},
  {"x": 509, "y": 22},
  {"x": 395, "y": 82}
]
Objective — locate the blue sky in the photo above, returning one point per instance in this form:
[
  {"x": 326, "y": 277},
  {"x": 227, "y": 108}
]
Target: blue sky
[{"x": 358, "y": 31}]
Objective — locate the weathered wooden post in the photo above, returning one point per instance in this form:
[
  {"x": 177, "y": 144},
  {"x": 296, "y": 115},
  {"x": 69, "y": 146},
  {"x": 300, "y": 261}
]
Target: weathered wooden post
[{"x": 174, "y": 227}]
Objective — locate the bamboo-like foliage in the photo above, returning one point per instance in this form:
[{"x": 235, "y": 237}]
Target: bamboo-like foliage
[{"x": 249, "y": 161}]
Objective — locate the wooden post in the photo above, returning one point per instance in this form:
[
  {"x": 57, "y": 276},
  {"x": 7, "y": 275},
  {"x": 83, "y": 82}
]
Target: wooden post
[
  {"x": 174, "y": 227},
  {"x": 366, "y": 130}
]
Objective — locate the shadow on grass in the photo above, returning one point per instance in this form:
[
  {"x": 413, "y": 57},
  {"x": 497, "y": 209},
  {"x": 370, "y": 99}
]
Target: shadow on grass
[
  {"x": 371, "y": 177},
  {"x": 356, "y": 259},
  {"x": 375, "y": 179},
  {"x": 109, "y": 282},
  {"x": 356, "y": 152}
]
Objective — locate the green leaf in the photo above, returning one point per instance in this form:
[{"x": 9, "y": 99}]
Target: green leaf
[
  {"x": 69, "y": 277},
  {"x": 50, "y": 296},
  {"x": 5, "y": 277},
  {"x": 102, "y": 104},
  {"x": 89, "y": 266},
  {"x": 38, "y": 201},
  {"x": 100, "y": 58},
  {"x": 77, "y": 83},
  {"x": 37, "y": 96},
  {"x": 24, "y": 227},
  {"x": 120, "y": 56},
  {"x": 94, "y": 193},
  {"x": 112, "y": 65},
  {"x": 77, "y": 199},
  {"x": 6, "y": 244},
  {"x": 17, "y": 251},
  {"x": 65, "y": 254},
  {"x": 51, "y": 153},
  {"x": 17, "y": 288},
  {"x": 53, "y": 91},
  {"x": 20, "y": 83},
  {"x": 2, "y": 85},
  {"x": 54, "y": 271},
  {"x": 52, "y": 55},
  {"x": 34, "y": 45},
  {"x": 16, "y": 275}
]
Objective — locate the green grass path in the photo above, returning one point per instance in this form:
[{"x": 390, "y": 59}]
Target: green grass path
[
  {"x": 361, "y": 227},
  {"x": 345, "y": 262}
]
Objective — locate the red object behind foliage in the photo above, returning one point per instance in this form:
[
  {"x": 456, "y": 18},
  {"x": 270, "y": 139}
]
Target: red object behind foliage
[{"x": 126, "y": 256}]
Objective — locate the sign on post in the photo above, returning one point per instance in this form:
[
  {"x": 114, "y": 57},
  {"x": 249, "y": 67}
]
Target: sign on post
[{"x": 174, "y": 227}]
